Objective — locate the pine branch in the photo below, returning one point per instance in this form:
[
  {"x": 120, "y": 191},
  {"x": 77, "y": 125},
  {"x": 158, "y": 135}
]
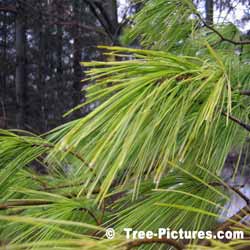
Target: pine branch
[
  {"x": 234, "y": 189},
  {"x": 245, "y": 92},
  {"x": 73, "y": 153},
  {"x": 91, "y": 215},
  {"x": 27, "y": 203},
  {"x": 237, "y": 121},
  {"x": 21, "y": 203},
  {"x": 243, "y": 196},
  {"x": 244, "y": 42},
  {"x": 49, "y": 189},
  {"x": 137, "y": 243},
  {"x": 63, "y": 186},
  {"x": 236, "y": 218}
]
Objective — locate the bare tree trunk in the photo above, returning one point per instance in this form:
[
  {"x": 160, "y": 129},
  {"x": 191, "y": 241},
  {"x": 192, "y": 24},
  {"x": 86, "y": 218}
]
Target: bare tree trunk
[
  {"x": 3, "y": 116},
  {"x": 20, "y": 66},
  {"x": 77, "y": 58},
  {"x": 57, "y": 8},
  {"x": 59, "y": 71},
  {"x": 42, "y": 73},
  {"x": 209, "y": 12}
]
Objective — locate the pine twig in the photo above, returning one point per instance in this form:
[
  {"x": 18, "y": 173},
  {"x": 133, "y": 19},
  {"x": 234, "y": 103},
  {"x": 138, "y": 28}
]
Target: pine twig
[
  {"x": 234, "y": 189},
  {"x": 21, "y": 203},
  {"x": 238, "y": 121},
  {"x": 243, "y": 196},
  {"x": 73, "y": 153},
  {"x": 236, "y": 218},
  {"x": 243, "y": 42},
  {"x": 245, "y": 92}
]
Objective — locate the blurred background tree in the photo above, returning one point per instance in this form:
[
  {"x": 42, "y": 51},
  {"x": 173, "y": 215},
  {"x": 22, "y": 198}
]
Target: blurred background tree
[{"x": 41, "y": 46}]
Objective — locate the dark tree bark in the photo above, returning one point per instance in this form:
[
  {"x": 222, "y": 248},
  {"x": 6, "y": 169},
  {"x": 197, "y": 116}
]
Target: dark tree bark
[
  {"x": 42, "y": 72},
  {"x": 3, "y": 116},
  {"x": 59, "y": 64},
  {"x": 20, "y": 66},
  {"x": 77, "y": 59},
  {"x": 110, "y": 6},
  {"x": 45, "y": 43},
  {"x": 209, "y": 6}
]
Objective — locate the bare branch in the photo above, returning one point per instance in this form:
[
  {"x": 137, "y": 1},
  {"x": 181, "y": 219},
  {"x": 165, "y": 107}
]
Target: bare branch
[
  {"x": 244, "y": 42},
  {"x": 243, "y": 196},
  {"x": 245, "y": 92},
  {"x": 21, "y": 203},
  {"x": 235, "y": 219},
  {"x": 234, "y": 189},
  {"x": 238, "y": 121}
]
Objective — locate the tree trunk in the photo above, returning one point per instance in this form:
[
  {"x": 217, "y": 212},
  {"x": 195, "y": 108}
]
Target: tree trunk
[
  {"x": 20, "y": 66},
  {"x": 209, "y": 12},
  {"x": 42, "y": 73},
  {"x": 77, "y": 59},
  {"x": 3, "y": 116},
  {"x": 59, "y": 64}
]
